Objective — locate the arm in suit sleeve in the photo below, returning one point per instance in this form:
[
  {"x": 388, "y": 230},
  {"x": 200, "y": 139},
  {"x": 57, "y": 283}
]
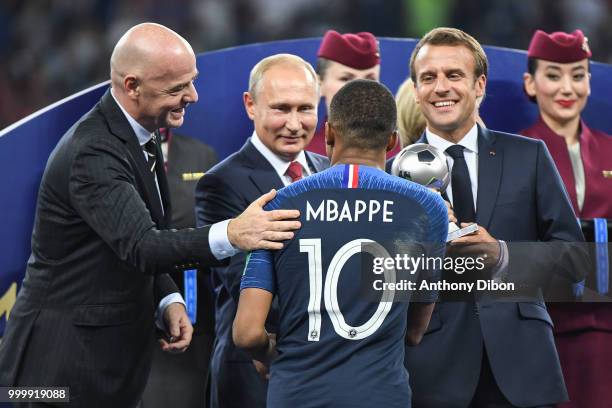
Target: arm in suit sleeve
[
  {"x": 102, "y": 190},
  {"x": 216, "y": 200},
  {"x": 164, "y": 286},
  {"x": 559, "y": 252}
]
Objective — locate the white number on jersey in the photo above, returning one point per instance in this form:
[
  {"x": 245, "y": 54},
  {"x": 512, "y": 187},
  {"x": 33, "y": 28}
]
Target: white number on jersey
[{"x": 312, "y": 247}]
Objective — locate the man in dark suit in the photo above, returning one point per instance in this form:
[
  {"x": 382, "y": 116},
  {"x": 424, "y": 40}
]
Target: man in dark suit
[
  {"x": 84, "y": 317},
  {"x": 282, "y": 102},
  {"x": 485, "y": 353},
  {"x": 181, "y": 379}
]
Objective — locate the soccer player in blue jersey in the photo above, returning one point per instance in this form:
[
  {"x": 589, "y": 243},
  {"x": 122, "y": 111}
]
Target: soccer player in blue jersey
[{"x": 337, "y": 344}]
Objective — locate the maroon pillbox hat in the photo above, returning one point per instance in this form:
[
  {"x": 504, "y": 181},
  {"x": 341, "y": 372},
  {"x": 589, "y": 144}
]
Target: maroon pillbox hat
[
  {"x": 359, "y": 51},
  {"x": 559, "y": 46}
]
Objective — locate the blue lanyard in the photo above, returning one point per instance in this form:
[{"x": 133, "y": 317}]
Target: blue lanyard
[
  {"x": 190, "y": 278},
  {"x": 578, "y": 288},
  {"x": 601, "y": 254}
]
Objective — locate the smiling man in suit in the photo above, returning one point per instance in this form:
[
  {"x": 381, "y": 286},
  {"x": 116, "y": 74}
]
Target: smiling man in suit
[
  {"x": 282, "y": 103},
  {"x": 484, "y": 353},
  {"x": 84, "y": 317}
]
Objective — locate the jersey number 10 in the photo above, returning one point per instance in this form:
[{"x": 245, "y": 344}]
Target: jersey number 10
[{"x": 312, "y": 246}]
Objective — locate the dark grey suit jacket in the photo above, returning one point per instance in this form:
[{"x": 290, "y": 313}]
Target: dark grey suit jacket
[
  {"x": 224, "y": 192},
  {"x": 520, "y": 198},
  {"x": 84, "y": 315}
]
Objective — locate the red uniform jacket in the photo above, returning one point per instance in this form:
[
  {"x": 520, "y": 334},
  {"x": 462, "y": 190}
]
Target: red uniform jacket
[
  {"x": 596, "y": 153},
  {"x": 583, "y": 331}
]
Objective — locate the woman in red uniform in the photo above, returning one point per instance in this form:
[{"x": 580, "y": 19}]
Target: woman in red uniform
[{"x": 558, "y": 80}]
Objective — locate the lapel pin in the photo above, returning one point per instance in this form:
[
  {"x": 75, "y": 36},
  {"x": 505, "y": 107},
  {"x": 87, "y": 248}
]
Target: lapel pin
[
  {"x": 192, "y": 176},
  {"x": 492, "y": 153},
  {"x": 607, "y": 174}
]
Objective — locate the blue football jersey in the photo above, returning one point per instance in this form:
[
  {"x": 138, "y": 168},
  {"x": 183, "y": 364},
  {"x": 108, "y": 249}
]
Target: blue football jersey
[{"x": 340, "y": 343}]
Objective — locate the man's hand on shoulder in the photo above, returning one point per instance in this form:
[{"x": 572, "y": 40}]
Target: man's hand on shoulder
[
  {"x": 259, "y": 229},
  {"x": 179, "y": 329}
]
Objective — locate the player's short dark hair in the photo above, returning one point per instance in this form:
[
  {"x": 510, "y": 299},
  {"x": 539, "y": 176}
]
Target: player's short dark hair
[{"x": 364, "y": 113}]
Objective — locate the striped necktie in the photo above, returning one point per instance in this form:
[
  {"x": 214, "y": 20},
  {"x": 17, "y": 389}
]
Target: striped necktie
[{"x": 151, "y": 149}]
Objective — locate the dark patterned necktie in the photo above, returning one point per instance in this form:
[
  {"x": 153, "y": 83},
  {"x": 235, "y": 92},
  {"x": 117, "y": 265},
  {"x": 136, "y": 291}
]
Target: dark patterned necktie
[
  {"x": 463, "y": 200},
  {"x": 294, "y": 171},
  {"x": 151, "y": 149}
]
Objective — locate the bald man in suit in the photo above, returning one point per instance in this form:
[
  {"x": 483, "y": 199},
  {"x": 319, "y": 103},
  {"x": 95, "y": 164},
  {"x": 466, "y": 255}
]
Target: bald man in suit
[{"x": 84, "y": 317}]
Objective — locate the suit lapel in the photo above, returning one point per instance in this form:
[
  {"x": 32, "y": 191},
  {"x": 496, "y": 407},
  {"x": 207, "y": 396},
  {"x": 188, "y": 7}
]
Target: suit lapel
[
  {"x": 150, "y": 196},
  {"x": 162, "y": 181},
  {"x": 263, "y": 175},
  {"x": 490, "y": 160},
  {"x": 315, "y": 164},
  {"x": 120, "y": 127}
]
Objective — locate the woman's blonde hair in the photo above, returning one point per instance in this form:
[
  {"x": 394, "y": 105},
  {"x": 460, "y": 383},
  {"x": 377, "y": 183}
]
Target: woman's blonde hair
[{"x": 410, "y": 121}]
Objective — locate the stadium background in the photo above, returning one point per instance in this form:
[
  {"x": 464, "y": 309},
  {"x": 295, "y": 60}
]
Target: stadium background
[{"x": 50, "y": 49}]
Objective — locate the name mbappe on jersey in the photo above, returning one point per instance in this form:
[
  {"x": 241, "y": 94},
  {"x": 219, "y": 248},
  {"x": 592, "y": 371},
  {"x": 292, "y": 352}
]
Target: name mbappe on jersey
[{"x": 349, "y": 211}]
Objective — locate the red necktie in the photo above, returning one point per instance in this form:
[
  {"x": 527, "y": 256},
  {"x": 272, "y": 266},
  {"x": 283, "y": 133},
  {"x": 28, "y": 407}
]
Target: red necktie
[{"x": 294, "y": 171}]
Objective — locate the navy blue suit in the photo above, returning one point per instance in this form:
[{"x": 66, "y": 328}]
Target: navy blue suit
[
  {"x": 224, "y": 192},
  {"x": 520, "y": 198}
]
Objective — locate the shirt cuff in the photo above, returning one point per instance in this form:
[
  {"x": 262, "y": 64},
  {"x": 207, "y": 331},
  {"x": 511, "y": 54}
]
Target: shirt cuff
[
  {"x": 165, "y": 302},
  {"x": 500, "y": 272},
  {"x": 220, "y": 245}
]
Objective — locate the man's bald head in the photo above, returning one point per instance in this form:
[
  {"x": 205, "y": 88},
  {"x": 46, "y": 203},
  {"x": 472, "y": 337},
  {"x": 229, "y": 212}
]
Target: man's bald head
[
  {"x": 148, "y": 51},
  {"x": 153, "y": 70}
]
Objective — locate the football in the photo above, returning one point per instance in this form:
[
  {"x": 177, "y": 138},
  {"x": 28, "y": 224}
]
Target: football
[{"x": 423, "y": 164}]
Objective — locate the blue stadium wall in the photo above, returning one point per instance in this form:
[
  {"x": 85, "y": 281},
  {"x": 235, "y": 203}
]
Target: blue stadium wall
[{"x": 219, "y": 120}]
